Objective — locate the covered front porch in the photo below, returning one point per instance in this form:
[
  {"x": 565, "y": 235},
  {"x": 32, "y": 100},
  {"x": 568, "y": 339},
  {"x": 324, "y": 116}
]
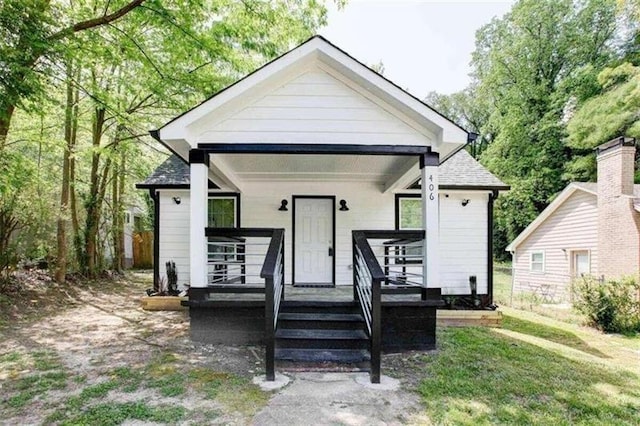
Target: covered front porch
[{"x": 243, "y": 291}]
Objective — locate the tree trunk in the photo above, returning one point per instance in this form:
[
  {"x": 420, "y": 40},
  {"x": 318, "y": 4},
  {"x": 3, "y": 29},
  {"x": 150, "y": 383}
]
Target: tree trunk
[
  {"x": 5, "y": 122},
  {"x": 61, "y": 270},
  {"x": 117, "y": 231},
  {"x": 92, "y": 202},
  {"x": 121, "y": 181}
]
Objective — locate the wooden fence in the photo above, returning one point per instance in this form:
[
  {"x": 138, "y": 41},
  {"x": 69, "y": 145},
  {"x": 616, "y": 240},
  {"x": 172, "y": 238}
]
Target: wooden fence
[{"x": 143, "y": 249}]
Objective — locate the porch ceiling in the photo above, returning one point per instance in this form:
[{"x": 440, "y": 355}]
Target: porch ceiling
[{"x": 379, "y": 169}]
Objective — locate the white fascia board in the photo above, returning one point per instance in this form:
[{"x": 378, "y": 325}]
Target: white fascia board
[
  {"x": 551, "y": 208},
  {"x": 405, "y": 175}
]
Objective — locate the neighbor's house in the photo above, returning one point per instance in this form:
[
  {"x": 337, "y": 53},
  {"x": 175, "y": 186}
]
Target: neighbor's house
[
  {"x": 589, "y": 229},
  {"x": 307, "y": 173}
]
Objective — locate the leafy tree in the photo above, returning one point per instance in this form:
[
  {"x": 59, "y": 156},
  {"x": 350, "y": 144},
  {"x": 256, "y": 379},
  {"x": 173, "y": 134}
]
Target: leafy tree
[
  {"x": 615, "y": 111},
  {"x": 527, "y": 67},
  {"x": 106, "y": 71}
]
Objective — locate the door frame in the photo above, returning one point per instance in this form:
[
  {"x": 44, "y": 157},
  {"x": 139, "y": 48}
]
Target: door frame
[{"x": 293, "y": 238}]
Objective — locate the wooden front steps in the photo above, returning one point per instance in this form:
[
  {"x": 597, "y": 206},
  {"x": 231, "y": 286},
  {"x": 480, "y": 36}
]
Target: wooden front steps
[{"x": 320, "y": 332}]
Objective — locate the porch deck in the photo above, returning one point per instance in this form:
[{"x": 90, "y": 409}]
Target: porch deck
[{"x": 340, "y": 293}]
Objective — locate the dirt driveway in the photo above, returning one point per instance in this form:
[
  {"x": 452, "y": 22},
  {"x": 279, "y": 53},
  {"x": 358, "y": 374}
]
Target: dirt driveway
[{"x": 104, "y": 361}]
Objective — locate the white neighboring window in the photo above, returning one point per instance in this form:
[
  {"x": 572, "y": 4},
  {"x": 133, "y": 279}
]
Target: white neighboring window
[
  {"x": 537, "y": 261},
  {"x": 581, "y": 264}
]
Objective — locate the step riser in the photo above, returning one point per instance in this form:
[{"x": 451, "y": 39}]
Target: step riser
[
  {"x": 345, "y": 356},
  {"x": 327, "y": 344},
  {"x": 321, "y": 325},
  {"x": 320, "y": 310}
]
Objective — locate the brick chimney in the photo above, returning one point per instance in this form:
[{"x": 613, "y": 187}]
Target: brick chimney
[{"x": 618, "y": 221}]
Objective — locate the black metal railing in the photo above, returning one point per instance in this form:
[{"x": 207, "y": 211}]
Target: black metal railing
[
  {"x": 403, "y": 249},
  {"x": 244, "y": 249},
  {"x": 367, "y": 279},
  {"x": 403, "y": 259},
  {"x": 273, "y": 274},
  {"x": 235, "y": 258}
]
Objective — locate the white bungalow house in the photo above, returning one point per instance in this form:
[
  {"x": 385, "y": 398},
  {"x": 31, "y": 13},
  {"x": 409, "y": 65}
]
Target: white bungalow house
[
  {"x": 306, "y": 174},
  {"x": 589, "y": 229}
]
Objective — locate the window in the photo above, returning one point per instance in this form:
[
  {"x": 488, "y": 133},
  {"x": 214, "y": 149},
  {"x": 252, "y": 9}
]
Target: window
[
  {"x": 580, "y": 264},
  {"x": 222, "y": 212},
  {"x": 537, "y": 261},
  {"x": 410, "y": 213},
  {"x": 409, "y": 216}
]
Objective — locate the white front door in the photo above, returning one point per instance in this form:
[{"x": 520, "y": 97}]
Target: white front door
[{"x": 313, "y": 241}]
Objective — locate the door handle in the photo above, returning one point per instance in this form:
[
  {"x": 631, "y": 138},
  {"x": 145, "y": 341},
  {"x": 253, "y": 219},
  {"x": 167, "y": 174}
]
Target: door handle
[{"x": 330, "y": 251}]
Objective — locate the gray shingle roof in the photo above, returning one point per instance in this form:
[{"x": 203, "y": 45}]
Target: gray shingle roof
[
  {"x": 173, "y": 172},
  {"x": 460, "y": 170}
]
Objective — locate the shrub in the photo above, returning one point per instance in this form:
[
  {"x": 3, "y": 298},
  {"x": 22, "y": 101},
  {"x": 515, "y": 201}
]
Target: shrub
[{"x": 613, "y": 306}]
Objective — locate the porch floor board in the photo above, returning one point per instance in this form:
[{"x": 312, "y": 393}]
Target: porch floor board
[{"x": 343, "y": 293}]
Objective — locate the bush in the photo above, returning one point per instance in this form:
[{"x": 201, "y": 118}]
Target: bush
[{"x": 612, "y": 306}]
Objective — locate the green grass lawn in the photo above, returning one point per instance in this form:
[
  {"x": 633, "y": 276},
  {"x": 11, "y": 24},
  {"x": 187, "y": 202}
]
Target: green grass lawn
[{"x": 535, "y": 370}]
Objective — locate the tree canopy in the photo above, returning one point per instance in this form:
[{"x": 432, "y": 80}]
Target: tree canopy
[
  {"x": 549, "y": 84},
  {"x": 81, "y": 84}
]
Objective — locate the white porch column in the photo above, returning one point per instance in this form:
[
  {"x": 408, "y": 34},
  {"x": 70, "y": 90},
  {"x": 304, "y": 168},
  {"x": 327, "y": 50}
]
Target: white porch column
[
  {"x": 199, "y": 166},
  {"x": 431, "y": 219}
]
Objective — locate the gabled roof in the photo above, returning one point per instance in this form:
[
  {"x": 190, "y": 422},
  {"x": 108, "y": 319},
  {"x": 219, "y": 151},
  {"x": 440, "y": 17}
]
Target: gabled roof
[
  {"x": 177, "y": 136},
  {"x": 588, "y": 187},
  {"x": 460, "y": 171}
]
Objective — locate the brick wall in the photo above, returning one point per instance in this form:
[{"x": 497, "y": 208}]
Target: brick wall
[{"x": 618, "y": 222}]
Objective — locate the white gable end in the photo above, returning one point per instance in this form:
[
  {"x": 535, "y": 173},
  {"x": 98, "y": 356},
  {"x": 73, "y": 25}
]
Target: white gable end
[{"x": 311, "y": 107}]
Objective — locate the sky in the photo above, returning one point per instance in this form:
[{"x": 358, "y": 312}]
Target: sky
[{"x": 424, "y": 45}]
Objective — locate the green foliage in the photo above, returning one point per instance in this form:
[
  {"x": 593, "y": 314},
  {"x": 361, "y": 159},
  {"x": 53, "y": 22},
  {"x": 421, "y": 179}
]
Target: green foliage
[
  {"x": 479, "y": 376},
  {"x": 613, "y": 306},
  {"x": 610, "y": 113},
  {"x": 112, "y": 413},
  {"x": 528, "y": 67},
  {"x": 136, "y": 73}
]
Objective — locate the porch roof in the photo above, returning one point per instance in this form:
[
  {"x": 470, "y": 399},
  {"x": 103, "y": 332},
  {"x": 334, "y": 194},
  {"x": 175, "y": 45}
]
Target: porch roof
[{"x": 459, "y": 171}]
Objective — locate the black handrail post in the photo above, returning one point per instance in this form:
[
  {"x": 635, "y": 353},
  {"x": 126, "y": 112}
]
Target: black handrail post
[
  {"x": 376, "y": 330},
  {"x": 355, "y": 269},
  {"x": 270, "y": 312},
  {"x": 282, "y": 271},
  {"x": 269, "y": 330}
]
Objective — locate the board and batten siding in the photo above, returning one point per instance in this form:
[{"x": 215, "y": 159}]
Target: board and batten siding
[
  {"x": 573, "y": 226},
  {"x": 463, "y": 231},
  {"x": 313, "y": 107}
]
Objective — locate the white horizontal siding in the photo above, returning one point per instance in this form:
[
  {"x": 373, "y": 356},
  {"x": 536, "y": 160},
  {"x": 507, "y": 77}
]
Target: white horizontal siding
[
  {"x": 463, "y": 233},
  {"x": 313, "y": 107},
  {"x": 174, "y": 234},
  {"x": 573, "y": 226},
  {"x": 463, "y": 242}
]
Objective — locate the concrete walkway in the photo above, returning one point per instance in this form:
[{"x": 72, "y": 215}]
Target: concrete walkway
[{"x": 338, "y": 399}]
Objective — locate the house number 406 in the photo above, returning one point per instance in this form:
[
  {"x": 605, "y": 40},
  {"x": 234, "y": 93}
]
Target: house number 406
[{"x": 431, "y": 188}]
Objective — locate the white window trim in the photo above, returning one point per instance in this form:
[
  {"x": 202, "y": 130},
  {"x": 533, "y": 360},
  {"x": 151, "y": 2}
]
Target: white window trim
[
  {"x": 543, "y": 262},
  {"x": 572, "y": 253}
]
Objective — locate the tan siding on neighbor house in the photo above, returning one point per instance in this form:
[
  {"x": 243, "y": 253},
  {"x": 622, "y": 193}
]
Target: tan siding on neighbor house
[{"x": 573, "y": 226}]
